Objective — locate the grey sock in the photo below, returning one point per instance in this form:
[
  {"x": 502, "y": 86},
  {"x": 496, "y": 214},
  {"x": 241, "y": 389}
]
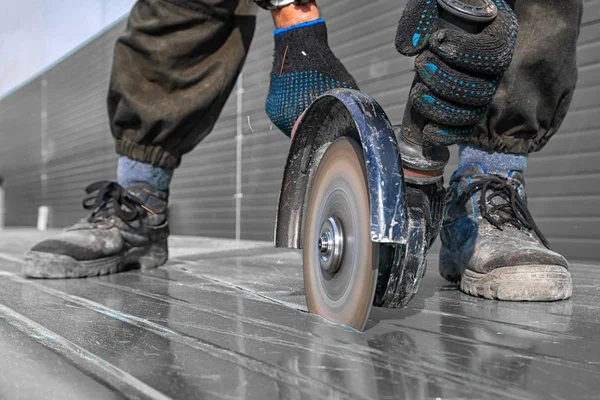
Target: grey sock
[
  {"x": 131, "y": 171},
  {"x": 493, "y": 162}
]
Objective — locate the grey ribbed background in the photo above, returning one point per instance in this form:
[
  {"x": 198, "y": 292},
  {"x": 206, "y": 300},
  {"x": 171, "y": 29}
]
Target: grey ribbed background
[{"x": 67, "y": 118}]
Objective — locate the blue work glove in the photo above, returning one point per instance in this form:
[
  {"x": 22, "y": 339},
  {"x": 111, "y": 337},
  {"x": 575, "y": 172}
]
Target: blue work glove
[
  {"x": 459, "y": 71},
  {"x": 304, "y": 67}
]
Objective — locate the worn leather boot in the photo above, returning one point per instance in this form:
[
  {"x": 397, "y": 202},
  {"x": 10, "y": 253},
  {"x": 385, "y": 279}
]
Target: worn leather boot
[
  {"x": 127, "y": 228},
  {"x": 491, "y": 244}
]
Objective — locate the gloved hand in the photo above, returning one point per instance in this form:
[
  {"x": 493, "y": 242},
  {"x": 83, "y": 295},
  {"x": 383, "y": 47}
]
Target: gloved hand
[
  {"x": 304, "y": 67},
  {"x": 459, "y": 72}
]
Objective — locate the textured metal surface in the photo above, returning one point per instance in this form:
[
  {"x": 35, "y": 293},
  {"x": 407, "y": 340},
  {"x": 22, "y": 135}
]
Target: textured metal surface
[
  {"x": 337, "y": 113},
  {"x": 563, "y": 180},
  {"x": 224, "y": 321}
]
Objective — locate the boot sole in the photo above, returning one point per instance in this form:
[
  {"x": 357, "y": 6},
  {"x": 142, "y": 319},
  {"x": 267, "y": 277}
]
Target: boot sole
[
  {"x": 48, "y": 265},
  {"x": 520, "y": 283}
]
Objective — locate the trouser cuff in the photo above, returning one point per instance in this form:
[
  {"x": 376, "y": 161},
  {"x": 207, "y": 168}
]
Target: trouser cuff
[{"x": 147, "y": 154}]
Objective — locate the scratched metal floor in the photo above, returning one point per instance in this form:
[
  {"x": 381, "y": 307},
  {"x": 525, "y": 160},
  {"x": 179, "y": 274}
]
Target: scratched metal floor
[{"x": 223, "y": 321}]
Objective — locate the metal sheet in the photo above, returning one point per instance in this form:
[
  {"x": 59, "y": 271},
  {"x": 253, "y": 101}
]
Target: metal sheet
[{"x": 224, "y": 320}]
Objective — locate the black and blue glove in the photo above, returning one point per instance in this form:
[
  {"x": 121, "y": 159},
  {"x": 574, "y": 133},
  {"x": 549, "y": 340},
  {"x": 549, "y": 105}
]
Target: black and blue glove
[
  {"x": 304, "y": 67},
  {"x": 459, "y": 72}
]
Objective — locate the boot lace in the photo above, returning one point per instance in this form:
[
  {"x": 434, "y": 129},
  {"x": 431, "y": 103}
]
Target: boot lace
[
  {"x": 112, "y": 199},
  {"x": 511, "y": 209}
]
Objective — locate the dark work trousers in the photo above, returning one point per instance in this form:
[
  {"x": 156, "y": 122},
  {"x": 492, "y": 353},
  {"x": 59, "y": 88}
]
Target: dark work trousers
[
  {"x": 536, "y": 91},
  {"x": 177, "y": 63},
  {"x": 173, "y": 70}
]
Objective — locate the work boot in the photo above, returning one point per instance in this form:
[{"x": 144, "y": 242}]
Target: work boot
[
  {"x": 127, "y": 228},
  {"x": 491, "y": 244}
]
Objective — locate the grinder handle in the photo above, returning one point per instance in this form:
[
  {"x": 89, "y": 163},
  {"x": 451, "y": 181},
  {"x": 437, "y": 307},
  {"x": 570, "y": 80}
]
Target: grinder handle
[{"x": 453, "y": 16}]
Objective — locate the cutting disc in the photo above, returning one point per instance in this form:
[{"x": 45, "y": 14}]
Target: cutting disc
[{"x": 340, "y": 266}]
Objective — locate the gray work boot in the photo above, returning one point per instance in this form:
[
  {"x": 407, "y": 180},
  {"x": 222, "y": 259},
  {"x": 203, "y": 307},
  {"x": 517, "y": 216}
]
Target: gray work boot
[
  {"x": 491, "y": 244},
  {"x": 127, "y": 228}
]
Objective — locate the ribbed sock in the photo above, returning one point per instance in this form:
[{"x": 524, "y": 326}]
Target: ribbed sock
[
  {"x": 131, "y": 171},
  {"x": 494, "y": 163},
  {"x": 304, "y": 67}
]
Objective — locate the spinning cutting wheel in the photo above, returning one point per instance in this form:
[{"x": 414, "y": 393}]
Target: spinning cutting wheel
[{"x": 340, "y": 274}]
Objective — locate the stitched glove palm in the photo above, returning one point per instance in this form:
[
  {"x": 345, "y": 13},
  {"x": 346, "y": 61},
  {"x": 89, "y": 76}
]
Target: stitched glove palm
[{"x": 459, "y": 72}]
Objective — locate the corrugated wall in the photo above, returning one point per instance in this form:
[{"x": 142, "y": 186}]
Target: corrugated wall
[
  {"x": 20, "y": 144},
  {"x": 563, "y": 180}
]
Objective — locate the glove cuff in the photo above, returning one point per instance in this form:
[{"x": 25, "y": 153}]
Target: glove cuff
[{"x": 279, "y": 31}]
